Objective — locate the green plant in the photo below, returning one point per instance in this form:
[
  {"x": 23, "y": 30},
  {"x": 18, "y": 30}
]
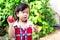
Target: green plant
[{"x": 42, "y": 16}]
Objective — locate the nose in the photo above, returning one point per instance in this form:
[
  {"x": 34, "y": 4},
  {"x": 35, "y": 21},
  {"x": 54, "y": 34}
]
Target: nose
[{"x": 25, "y": 14}]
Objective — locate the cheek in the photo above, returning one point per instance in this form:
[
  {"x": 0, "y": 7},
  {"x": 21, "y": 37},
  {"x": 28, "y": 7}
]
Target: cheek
[
  {"x": 20, "y": 15},
  {"x": 28, "y": 15}
]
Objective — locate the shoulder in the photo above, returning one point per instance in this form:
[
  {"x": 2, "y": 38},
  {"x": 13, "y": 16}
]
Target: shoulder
[
  {"x": 15, "y": 23},
  {"x": 30, "y": 24}
]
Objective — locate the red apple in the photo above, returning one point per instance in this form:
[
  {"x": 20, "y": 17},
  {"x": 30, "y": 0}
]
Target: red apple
[{"x": 10, "y": 19}]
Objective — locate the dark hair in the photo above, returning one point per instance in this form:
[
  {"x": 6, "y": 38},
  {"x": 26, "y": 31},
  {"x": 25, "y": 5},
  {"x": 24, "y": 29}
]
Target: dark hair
[{"x": 21, "y": 7}]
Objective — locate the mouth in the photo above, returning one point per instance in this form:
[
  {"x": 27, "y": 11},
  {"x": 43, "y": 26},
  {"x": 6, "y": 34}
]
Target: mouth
[{"x": 25, "y": 17}]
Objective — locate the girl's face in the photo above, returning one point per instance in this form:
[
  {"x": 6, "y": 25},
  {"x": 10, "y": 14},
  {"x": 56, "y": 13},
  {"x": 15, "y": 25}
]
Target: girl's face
[{"x": 23, "y": 15}]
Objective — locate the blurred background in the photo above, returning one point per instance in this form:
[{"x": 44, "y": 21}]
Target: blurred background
[{"x": 43, "y": 13}]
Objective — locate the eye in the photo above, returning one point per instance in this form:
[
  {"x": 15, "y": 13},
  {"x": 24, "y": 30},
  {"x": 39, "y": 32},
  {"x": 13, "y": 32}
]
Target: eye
[{"x": 23, "y": 12}]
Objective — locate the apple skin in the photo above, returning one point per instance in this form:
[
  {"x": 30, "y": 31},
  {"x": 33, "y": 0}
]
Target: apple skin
[{"x": 11, "y": 19}]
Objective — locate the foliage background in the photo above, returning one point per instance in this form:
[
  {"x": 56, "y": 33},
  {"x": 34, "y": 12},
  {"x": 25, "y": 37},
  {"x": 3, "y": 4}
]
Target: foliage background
[{"x": 40, "y": 14}]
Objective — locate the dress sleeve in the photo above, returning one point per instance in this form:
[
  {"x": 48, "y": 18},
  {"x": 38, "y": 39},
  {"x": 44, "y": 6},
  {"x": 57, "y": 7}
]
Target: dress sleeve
[{"x": 16, "y": 24}]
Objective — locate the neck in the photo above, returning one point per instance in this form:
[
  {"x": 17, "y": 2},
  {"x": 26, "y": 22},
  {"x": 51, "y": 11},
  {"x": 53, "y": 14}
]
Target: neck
[{"x": 24, "y": 22}]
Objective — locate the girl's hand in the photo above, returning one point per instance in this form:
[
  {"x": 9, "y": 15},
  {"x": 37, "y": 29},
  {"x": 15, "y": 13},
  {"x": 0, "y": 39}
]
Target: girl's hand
[{"x": 36, "y": 29}]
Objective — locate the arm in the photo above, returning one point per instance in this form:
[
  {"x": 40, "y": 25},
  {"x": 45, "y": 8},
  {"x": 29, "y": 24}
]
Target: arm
[{"x": 11, "y": 30}]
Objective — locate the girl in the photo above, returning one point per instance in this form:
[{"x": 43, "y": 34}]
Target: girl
[{"x": 22, "y": 28}]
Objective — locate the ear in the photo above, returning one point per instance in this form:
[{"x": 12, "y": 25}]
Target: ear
[{"x": 17, "y": 14}]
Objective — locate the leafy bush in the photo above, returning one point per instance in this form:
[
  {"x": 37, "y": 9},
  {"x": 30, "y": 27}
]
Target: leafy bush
[{"x": 42, "y": 16}]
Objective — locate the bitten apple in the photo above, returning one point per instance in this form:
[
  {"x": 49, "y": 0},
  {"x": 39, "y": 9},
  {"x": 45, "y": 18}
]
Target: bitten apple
[{"x": 10, "y": 19}]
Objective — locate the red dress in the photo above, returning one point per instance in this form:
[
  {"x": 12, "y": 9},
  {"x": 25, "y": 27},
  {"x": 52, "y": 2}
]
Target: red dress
[{"x": 23, "y": 34}]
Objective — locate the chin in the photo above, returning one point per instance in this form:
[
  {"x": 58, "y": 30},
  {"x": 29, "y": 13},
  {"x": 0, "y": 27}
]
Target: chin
[{"x": 24, "y": 20}]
